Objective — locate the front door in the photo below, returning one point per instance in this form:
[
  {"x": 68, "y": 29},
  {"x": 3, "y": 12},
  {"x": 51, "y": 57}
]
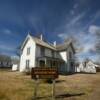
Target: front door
[{"x": 42, "y": 63}]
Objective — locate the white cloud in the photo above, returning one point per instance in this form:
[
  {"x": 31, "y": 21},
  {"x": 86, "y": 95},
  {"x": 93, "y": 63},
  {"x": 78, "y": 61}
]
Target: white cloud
[
  {"x": 86, "y": 39},
  {"x": 62, "y": 35},
  {"x": 86, "y": 43},
  {"x": 6, "y": 31},
  {"x": 88, "y": 47},
  {"x": 94, "y": 29}
]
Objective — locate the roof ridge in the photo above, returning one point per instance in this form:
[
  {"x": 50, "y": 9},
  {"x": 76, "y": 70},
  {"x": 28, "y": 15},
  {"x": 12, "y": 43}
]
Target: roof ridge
[
  {"x": 43, "y": 43},
  {"x": 47, "y": 44}
]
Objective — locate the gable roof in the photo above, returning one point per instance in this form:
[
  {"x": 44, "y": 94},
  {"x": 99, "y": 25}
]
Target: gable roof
[
  {"x": 24, "y": 42},
  {"x": 43, "y": 43},
  {"x": 59, "y": 47},
  {"x": 90, "y": 61},
  {"x": 64, "y": 46},
  {"x": 40, "y": 42}
]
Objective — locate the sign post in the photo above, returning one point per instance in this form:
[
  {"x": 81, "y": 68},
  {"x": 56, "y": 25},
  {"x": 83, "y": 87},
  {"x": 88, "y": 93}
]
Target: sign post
[
  {"x": 53, "y": 90},
  {"x": 44, "y": 73},
  {"x": 35, "y": 89}
]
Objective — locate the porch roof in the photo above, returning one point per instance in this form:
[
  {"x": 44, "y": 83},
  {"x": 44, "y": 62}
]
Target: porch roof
[{"x": 50, "y": 58}]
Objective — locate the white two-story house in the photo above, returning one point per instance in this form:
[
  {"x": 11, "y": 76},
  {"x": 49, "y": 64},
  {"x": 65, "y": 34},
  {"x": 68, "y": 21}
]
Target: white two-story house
[{"x": 35, "y": 52}]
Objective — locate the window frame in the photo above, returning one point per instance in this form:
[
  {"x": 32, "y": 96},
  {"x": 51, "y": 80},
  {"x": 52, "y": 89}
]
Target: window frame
[
  {"x": 27, "y": 64},
  {"x": 28, "y": 50},
  {"x": 70, "y": 55},
  {"x": 42, "y": 51},
  {"x": 53, "y": 53}
]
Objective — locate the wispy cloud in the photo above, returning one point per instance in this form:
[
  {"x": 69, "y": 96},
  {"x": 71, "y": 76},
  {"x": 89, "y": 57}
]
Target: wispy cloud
[
  {"x": 93, "y": 19},
  {"x": 6, "y": 31},
  {"x": 9, "y": 32},
  {"x": 96, "y": 16},
  {"x": 75, "y": 5},
  {"x": 94, "y": 29},
  {"x": 76, "y": 19},
  {"x": 6, "y": 48},
  {"x": 86, "y": 41}
]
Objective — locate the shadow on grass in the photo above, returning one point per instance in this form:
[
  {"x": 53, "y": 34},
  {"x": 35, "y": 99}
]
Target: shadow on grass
[
  {"x": 69, "y": 95},
  {"x": 49, "y": 81},
  {"x": 60, "y": 96},
  {"x": 59, "y": 81}
]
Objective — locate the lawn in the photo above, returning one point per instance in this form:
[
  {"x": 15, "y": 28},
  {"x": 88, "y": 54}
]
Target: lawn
[{"x": 18, "y": 86}]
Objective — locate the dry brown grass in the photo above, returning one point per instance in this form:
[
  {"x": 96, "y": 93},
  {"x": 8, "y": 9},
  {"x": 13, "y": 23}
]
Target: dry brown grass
[{"x": 17, "y": 86}]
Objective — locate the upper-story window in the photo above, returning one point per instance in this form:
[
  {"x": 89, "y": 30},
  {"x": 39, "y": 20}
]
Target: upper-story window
[
  {"x": 42, "y": 50},
  {"x": 70, "y": 55},
  {"x": 53, "y": 53},
  {"x": 28, "y": 50}
]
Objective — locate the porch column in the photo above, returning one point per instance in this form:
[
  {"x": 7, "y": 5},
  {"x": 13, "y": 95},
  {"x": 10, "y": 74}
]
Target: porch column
[
  {"x": 38, "y": 63},
  {"x": 45, "y": 62},
  {"x": 51, "y": 63}
]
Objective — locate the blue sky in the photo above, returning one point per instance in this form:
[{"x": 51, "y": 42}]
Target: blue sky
[{"x": 56, "y": 19}]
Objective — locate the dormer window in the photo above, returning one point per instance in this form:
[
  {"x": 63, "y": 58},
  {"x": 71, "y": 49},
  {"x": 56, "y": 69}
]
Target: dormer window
[{"x": 28, "y": 50}]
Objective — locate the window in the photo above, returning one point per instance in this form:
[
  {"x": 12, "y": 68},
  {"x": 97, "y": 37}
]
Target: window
[
  {"x": 42, "y": 63},
  {"x": 53, "y": 53},
  {"x": 42, "y": 51},
  {"x": 54, "y": 64},
  {"x": 28, "y": 50},
  {"x": 85, "y": 64},
  {"x": 27, "y": 64},
  {"x": 70, "y": 55}
]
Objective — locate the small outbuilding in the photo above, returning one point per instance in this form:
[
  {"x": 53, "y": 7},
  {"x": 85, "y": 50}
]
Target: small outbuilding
[
  {"x": 15, "y": 63},
  {"x": 14, "y": 67},
  {"x": 87, "y": 67}
]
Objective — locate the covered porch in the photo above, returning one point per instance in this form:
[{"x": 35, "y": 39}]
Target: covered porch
[{"x": 49, "y": 62}]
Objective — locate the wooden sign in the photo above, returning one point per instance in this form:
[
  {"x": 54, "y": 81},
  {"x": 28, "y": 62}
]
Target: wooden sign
[{"x": 44, "y": 73}]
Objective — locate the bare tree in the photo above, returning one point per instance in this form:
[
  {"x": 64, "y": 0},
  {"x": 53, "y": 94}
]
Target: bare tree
[
  {"x": 5, "y": 58},
  {"x": 77, "y": 45},
  {"x": 5, "y": 61}
]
